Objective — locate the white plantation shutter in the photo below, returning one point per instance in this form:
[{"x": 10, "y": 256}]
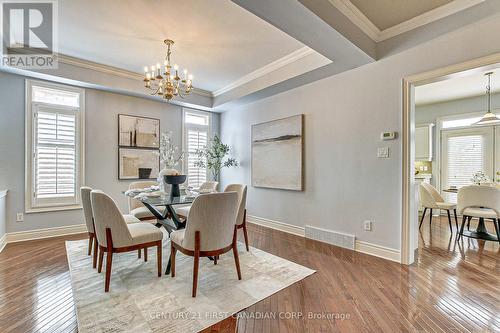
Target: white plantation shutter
[
  {"x": 196, "y": 139},
  {"x": 196, "y": 136},
  {"x": 55, "y": 148},
  {"x": 55, "y": 154},
  {"x": 465, "y": 152}
]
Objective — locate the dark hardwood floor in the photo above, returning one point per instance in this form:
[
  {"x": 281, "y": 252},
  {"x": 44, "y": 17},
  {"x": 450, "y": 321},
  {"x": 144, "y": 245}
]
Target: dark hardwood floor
[{"x": 450, "y": 288}]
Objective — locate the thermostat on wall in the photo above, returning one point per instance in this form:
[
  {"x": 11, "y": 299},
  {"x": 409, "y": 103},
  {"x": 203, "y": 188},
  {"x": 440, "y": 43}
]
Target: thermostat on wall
[{"x": 388, "y": 136}]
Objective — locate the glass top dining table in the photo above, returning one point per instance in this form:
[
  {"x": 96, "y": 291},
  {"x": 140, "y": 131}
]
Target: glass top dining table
[{"x": 167, "y": 217}]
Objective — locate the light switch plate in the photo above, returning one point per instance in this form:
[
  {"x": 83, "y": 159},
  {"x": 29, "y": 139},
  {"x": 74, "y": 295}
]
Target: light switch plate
[{"x": 383, "y": 152}]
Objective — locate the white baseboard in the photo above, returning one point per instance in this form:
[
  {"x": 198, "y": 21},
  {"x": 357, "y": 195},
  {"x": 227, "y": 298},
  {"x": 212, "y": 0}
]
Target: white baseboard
[
  {"x": 291, "y": 229},
  {"x": 20, "y": 236},
  {"x": 378, "y": 251},
  {"x": 3, "y": 242},
  {"x": 360, "y": 246}
]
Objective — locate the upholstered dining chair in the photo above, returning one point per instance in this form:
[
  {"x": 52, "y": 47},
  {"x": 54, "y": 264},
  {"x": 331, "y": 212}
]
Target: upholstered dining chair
[
  {"x": 115, "y": 236},
  {"x": 481, "y": 202},
  {"x": 136, "y": 208},
  {"x": 241, "y": 218},
  {"x": 89, "y": 222},
  {"x": 431, "y": 199},
  {"x": 211, "y": 231},
  {"x": 205, "y": 187},
  {"x": 208, "y": 187}
]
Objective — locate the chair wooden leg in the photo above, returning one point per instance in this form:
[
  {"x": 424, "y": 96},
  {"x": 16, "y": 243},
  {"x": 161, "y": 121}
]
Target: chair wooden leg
[
  {"x": 237, "y": 261},
  {"x": 215, "y": 260},
  {"x": 109, "y": 259},
  {"x": 96, "y": 249},
  {"x": 139, "y": 254},
  {"x": 91, "y": 239},
  {"x": 468, "y": 223},
  {"x": 159, "y": 257},
  {"x": 101, "y": 255},
  {"x": 245, "y": 233},
  {"x": 235, "y": 253},
  {"x": 456, "y": 220},
  {"x": 109, "y": 262},
  {"x": 173, "y": 250},
  {"x": 196, "y": 261},
  {"x": 430, "y": 219},
  {"x": 449, "y": 221},
  {"x": 422, "y": 219},
  {"x": 145, "y": 254}
]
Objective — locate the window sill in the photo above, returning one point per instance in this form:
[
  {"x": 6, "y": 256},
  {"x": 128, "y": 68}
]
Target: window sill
[{"x": 52, "y": 209}]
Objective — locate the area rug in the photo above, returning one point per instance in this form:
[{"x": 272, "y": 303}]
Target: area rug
[{"x": 140, "y": 301}]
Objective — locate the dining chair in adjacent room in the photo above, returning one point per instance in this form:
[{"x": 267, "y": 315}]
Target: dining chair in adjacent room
[
  {"x": 114, "y": 235},
  {"x": 481, "y": 202},
  {"x": 89, "y": 222},
  {"x": 210, "y": 231},
  {"x": 431, "y": 199},
  {"x": 137, "y": 208}
]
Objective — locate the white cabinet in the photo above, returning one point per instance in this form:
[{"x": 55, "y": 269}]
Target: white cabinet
[{"x": 423, "y": 142}]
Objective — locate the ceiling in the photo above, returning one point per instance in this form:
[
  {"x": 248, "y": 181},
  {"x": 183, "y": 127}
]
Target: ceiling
[
  {"x": 457, "y": 88},
  {"x": 388, "y": 13},
  {"x": 218, "y": 41}
]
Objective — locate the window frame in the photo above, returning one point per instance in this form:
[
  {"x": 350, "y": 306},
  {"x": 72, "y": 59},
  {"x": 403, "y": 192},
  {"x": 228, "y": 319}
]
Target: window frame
[
  {"x": 31, "y": 206},
  {"x": 185, "y": 126}
]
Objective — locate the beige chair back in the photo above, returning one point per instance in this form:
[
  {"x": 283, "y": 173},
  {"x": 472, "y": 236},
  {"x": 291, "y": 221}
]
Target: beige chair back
[
  {"x": 474, "y": 196},
  {"x": 107, "y": 215},
  {"x": 214, "y": 216},
  {"x": 429, "y": 196},
  {"x": 87, "y": 207},
  {"x": 134, "y": 203},
  {"x": 242, "y": 200},
  {"x": 209, "y": 186}
]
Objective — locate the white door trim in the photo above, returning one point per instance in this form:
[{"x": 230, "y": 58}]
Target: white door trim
[{"x": 408, "y": 128}]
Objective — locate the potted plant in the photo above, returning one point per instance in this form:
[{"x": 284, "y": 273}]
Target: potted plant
[{"x": 214, "y": 157}]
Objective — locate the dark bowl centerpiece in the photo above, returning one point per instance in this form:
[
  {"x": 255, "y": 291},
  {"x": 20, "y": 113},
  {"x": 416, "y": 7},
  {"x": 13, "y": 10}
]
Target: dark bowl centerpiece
[{"x": 175, "y": 181}]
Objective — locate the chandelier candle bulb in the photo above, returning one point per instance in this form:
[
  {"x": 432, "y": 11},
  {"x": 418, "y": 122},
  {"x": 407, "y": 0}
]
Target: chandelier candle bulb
[{"x": 169, "y": 85}]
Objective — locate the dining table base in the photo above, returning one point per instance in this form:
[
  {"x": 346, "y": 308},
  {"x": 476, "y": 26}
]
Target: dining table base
[{"x": 481, "y": 232}]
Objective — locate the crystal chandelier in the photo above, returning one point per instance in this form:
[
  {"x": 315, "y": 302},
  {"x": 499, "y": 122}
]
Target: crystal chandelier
[{"x": 165, "y": 80}]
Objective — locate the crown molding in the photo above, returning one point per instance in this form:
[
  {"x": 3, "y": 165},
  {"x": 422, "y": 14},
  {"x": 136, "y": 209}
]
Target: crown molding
[
  {"x": 271, "y": 67},
  {"x": 68, "y": 60},
  {"x": 428, "y": 17},
  {"x": 352, "y": 12}
]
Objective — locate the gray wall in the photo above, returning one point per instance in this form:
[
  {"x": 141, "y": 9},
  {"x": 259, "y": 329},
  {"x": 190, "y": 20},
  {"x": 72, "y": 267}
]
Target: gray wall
[
  {"x": 345, "y": 183},
  {"x": 101, "y": 156}
]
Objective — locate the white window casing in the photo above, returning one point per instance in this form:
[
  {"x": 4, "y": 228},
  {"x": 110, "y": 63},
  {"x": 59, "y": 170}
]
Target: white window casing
[{"x": 55, "y": 116}]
